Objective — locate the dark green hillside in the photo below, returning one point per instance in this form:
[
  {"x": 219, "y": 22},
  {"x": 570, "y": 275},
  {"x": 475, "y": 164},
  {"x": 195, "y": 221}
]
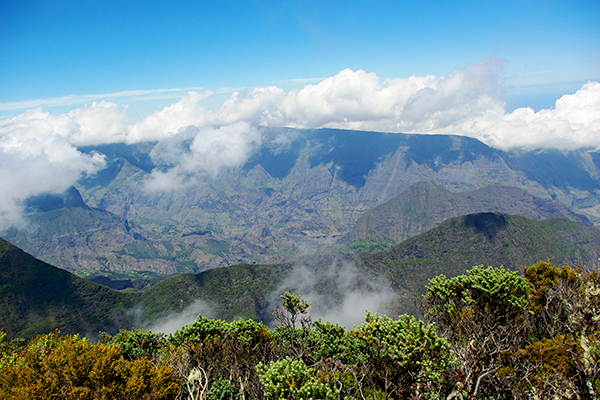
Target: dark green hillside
[
  {"x": 490, "y": 239},
  {"x": 37, "y": 298},
  {"x": 236, "y": 291}
]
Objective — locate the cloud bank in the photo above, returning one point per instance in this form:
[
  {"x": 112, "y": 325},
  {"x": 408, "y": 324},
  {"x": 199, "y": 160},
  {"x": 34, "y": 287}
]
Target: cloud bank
[
  {"x": 38, "y": 150},
  {"x": 467, "y": 101}
]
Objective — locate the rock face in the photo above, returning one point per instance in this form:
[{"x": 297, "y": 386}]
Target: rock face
[
  {"x": 425, "y": 205},
  {"x": 299, "y": 191}
]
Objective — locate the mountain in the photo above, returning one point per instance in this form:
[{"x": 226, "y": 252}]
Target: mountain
[
  {"x": 339, "y": 283},
  {"x": 68, "y": 234},
  {"x": 489, "y": 239},
  {"x": 298, "y": 192},
  {"x": 424, "y": 205},
  {"x": 37, "y": 298}
]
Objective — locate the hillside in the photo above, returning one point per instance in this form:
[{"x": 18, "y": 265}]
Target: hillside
[
  {"x": 424, "y": 205},
  {"x": 488, "y": 239},
  {"x": 298, "y": 192},
  {"x": 37, "y": 298},
  {"x": 229, "y": 293}
]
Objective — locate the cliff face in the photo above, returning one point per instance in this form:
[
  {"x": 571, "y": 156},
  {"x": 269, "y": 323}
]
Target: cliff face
[{"x": 298, "y": 192}]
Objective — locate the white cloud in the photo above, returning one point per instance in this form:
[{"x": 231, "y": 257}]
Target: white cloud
[
  {"x": 246, "y": 105},
  {"x": 102, "y": 122},
  {"x": 573, "y": 123},
  {"x": 35, "y": 158},
  {"x": 338, "y": 292},
  {"x": 208, "y": 149},
  {"x": 171, "y": 119},
  {"x": 359, "y": 100},
  {"x": 466, "y": 101}
]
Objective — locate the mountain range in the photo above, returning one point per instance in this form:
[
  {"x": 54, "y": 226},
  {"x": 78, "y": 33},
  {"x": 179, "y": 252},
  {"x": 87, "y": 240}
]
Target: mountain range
[{"x": 298, "y": 192}]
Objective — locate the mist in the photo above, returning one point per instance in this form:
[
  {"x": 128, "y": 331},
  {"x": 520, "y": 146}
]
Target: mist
[
  {"x": 176, "y": 321},
  {"x": 337, "y": 290}
]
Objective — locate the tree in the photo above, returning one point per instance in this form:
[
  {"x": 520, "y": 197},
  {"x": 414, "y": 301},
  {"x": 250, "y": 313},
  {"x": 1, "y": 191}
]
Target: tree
[
  {"x": 401, "y": 358},
  {"x": 563, "y": 301},
  {"x": 292, "y": 379},
  {"x": 225, "y": 352},
  {"x": 293, "y": 325},
  {"x": 482, "y": 314}
]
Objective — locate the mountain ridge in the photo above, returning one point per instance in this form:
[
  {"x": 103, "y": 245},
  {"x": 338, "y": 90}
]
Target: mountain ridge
[
  {"x": 424, "y": 205},
  {"x": 336, "y": 278}
]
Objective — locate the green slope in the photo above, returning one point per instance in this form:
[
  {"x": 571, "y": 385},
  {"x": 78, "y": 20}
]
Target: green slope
[
  {"x": 37, "y": 298},
  {"x": 233, "y": 292},
  {"x": 491, "y": 239}
]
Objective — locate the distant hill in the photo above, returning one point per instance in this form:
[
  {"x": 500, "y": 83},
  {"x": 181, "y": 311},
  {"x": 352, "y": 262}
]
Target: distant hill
[
  {"x": 65, "y": 232},
  {"x": 491, "y": 239},
  {"x": 38, "y": 298},
  {"x": 424, "y": 205}
]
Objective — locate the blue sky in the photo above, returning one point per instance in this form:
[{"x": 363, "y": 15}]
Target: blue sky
[{"x": 56, "y": 48}]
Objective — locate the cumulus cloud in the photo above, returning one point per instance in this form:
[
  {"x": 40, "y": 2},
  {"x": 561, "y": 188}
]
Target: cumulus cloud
[
  {"x": 208, "y": 149},
  {"x": 467, "y": 101},
  {"x": 573, "y": 123},
  {"x": 102, "y": 122},
  {"x": 171, "y": 119},
  {"x": 36, "y": 158},
  {"x": 359, "y": 100}
]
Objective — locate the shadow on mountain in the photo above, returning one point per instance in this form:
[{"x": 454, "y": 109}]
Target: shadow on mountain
[{"x": 486, "y": 224}]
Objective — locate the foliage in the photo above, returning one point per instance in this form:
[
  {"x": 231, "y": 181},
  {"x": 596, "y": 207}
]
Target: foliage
[
  {"x": 54, "y": 366},
  {"x": 563, "y": 301},
  {"x": 225, "y": 352},
  {"x": 494, "y": 334},
  {"x": 402, "y": 358},
  {"x": 482, "y": 314},
  {"x": 136, "y": 343},
  {"x": 544, "y": 369},
  {"x": 293, "y": 325},
  {"x": 288, "y": 379}
]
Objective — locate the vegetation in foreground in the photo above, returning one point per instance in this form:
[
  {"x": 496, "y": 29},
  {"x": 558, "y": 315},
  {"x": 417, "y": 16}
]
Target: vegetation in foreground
[{"x": 490, "y": 334}]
